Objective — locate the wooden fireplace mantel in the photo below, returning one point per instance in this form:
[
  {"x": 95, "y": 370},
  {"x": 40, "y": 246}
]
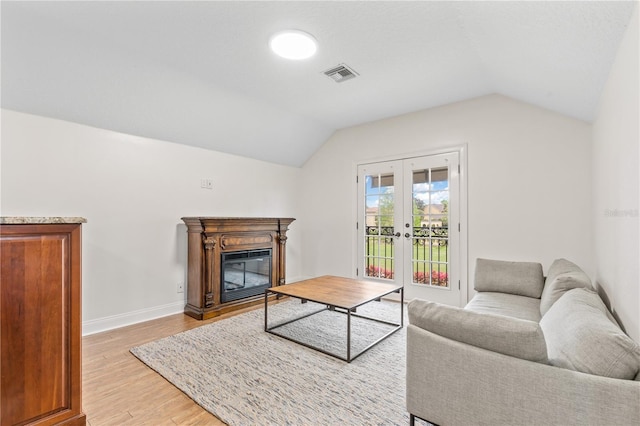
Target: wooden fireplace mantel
[{"x": 208, "y": 238}]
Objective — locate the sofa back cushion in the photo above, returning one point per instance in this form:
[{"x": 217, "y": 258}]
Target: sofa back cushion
[
  {"x": 509, "y": 336},
  {"x": 581, "y": 337},
  {"x": 521, "y": 278},
  {"x": 562, "y": 277}
]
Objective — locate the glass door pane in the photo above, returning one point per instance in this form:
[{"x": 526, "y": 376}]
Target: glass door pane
[
  {"x": 379, "y": 193},
  {"x": 430, "y": 227}
]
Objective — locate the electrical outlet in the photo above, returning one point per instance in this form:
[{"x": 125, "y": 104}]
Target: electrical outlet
[
  {"x": 206, "y": 183},
  {"x": 180, "y": 288}
]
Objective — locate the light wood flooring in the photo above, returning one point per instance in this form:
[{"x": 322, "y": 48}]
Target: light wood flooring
[{"x": 118, "y": 389}]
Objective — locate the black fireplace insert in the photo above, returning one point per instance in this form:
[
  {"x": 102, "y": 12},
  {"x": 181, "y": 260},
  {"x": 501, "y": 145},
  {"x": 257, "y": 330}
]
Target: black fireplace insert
[{"x": 244, "y": 274}]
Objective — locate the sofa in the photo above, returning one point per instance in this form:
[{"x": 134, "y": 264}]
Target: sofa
[{"x": 526, "y": 350}]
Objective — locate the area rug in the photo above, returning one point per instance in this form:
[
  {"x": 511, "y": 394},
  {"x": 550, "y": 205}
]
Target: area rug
[{"x": 245, "y": 376}]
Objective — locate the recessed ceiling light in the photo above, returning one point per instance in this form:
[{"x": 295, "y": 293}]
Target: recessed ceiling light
[{"x": 293, "y": 44}]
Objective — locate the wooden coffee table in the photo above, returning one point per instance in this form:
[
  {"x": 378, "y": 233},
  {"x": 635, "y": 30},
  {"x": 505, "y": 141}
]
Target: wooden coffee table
[{"x": 340, "y": 295}]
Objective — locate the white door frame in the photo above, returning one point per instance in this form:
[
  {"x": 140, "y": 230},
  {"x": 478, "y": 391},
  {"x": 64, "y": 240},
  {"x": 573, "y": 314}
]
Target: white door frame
[{"x": 464, "y": 245}]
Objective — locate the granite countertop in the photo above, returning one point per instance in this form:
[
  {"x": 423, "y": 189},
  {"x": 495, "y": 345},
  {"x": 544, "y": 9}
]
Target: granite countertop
[{"x": 17, "y": 220}]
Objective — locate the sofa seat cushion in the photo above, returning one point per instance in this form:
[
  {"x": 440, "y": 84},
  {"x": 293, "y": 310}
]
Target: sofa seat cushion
[
  {"x": 521, "y": 278},
  {"x": 581, "y": 337},
  {"x": 562, "y": 276},
  {"x": 508, "y": 336},
  {"x": 509, "y": 305}
]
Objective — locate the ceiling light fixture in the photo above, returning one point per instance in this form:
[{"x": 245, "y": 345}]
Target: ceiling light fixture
[{"x": 293, "y": 44}]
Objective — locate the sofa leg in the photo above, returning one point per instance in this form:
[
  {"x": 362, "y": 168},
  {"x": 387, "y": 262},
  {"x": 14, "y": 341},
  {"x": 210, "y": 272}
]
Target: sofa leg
[{"x": 412, "y": 420}]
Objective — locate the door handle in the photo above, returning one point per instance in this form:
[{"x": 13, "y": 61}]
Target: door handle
[{"x": 397, "y": 234}]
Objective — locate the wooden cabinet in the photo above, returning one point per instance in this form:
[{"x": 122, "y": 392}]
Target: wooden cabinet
[{"x": 40, "y": 298}]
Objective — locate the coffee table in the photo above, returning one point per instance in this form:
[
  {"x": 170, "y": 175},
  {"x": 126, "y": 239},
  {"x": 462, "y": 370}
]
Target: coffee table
[{"x": 337, "y": 294}]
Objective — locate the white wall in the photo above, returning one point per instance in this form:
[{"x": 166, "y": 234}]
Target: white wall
[
  {"x": 616, "y": 137},
  {"x": 133, "y": 192},
  {"x": 529, "y": 171}
]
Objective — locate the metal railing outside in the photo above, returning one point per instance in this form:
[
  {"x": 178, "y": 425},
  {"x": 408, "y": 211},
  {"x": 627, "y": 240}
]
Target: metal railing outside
[{"x": 429, "y": 258}]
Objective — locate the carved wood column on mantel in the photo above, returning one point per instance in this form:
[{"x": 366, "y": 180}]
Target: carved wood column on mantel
[
  {"x": 209, "y": 238},
  {"x": 209, "y": 243},
  {"x": 282, "y": 240}
]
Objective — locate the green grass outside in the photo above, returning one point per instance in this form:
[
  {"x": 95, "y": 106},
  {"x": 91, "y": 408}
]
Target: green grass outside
[{"x": 381, "y": 255}]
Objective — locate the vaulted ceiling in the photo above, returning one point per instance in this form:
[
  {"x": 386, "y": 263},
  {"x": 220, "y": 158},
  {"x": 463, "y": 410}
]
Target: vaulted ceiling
[{"x": 201, "y": 73}]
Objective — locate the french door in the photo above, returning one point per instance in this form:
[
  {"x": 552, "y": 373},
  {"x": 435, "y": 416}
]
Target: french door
[{"x": 408, "y": 225}]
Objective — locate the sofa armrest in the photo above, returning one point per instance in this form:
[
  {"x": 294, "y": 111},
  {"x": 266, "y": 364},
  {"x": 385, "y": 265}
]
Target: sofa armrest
[{"x": 452, "y": 383}]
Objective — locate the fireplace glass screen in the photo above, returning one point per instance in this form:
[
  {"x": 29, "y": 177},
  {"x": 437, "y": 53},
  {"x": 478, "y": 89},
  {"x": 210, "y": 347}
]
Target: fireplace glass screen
[{"x": 245, "y": 273}]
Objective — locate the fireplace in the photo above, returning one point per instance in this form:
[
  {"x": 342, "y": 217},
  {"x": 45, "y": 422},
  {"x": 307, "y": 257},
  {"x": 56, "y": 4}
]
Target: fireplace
[
  {"x": 244, "y": 274},
  {"x": 232, "y": 261}
]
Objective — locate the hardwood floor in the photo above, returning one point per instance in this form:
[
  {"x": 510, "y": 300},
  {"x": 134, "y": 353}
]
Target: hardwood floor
[{"x": 118, "y": 389}]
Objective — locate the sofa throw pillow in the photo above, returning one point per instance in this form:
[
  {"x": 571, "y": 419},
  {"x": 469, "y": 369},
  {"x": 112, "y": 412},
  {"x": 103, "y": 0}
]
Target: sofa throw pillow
[
  {"x": 521, "y": 278},
  {"x": 581, "y": 337},
  {"x": 563, "y": 276},
  {"x": 509, "y": 336}
]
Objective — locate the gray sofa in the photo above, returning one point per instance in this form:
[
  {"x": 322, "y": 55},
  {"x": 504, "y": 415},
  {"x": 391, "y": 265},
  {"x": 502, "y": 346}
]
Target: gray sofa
[{"x": 524, "y": 351}]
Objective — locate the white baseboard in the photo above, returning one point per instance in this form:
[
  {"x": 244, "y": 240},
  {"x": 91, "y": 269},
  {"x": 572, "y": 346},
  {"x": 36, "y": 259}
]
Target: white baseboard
[{"x": 129, "y": 318}]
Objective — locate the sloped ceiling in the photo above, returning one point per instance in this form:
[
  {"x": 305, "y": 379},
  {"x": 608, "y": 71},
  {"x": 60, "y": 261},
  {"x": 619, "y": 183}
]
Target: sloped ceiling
[{"x": 201, "y": 73}]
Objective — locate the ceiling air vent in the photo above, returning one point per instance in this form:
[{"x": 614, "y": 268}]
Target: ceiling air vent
[{"x": 340, "y": 73}]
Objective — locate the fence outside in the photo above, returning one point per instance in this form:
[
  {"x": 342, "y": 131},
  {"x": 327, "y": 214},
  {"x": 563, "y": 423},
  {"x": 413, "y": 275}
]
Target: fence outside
[{"x": 429, "y": 257}]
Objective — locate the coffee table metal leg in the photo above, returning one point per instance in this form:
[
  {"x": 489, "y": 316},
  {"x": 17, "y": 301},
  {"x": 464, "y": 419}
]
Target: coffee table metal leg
[
  {"x": 266, "y": 304},
  {"x": 348, "y": 335},
  {"x": 401, "y": 307}
]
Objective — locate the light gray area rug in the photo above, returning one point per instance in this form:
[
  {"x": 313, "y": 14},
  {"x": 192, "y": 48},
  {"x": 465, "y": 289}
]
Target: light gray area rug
[{"x": 245, "y": 376}]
